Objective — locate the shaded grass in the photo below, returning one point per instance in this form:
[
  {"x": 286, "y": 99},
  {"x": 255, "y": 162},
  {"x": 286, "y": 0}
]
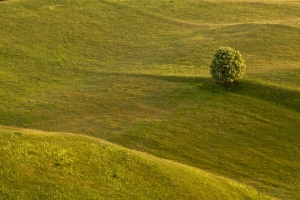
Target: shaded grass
[{"x": 233, "y": 130}]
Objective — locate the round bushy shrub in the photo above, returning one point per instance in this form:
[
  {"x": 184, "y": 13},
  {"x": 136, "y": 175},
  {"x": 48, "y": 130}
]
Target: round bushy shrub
[{"x": 227, "y": 65}]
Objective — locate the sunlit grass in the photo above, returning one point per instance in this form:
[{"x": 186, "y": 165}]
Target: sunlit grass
[
  {"x": 137, "y": 73},
  {"x": 37, "y": 165}
]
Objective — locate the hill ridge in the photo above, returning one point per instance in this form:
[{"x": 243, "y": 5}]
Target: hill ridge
[{"x": 21, "y": 132}]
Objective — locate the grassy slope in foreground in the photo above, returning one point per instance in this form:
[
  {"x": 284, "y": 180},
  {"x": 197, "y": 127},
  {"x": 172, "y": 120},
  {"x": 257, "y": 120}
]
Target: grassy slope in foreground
[
  {"x": 58, "y": 73},
  {"x": 37, "y": 165}
]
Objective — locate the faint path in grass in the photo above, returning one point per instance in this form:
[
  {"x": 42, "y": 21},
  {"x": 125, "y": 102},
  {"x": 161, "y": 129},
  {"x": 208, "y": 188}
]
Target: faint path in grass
[
  {"x": 293, "y": 22},
  {"x": 209, "y": 12}
]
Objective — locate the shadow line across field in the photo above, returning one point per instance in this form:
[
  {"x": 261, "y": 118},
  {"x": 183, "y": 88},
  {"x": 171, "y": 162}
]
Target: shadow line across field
[{"x": 279, "y": 96}]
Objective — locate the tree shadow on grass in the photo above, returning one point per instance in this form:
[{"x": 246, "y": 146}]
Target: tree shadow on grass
[
  {"x": 282, "y": 97},
  {"x": 279, "y": 96}
]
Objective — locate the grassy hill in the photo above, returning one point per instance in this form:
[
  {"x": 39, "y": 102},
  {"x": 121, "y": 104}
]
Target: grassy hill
[
  {"x": 39, "y": 165},
  {"x": 136, "y": 73}
]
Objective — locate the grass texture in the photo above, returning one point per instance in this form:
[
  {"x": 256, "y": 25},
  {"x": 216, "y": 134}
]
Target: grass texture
[
  {"x": 136, "y": 73},
  {"x": 39, "y": 165}
]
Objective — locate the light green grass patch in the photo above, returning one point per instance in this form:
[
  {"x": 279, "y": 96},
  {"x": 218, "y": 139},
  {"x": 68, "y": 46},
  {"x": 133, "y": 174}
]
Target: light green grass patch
[{"x": 39, "y": 165}]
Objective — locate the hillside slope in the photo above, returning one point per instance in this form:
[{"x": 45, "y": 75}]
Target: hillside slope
[
  {"x": 39, "y": 165},
  {"x": 136, "y": 73}
]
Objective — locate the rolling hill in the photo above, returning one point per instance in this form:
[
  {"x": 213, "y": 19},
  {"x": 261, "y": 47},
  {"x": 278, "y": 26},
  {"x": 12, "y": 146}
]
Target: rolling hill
[
  {"x": 136, "y": 73},
  {"x": 39, "y": 165}
]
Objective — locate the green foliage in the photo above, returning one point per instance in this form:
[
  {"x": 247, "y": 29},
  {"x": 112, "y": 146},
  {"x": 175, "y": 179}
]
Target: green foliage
[{"x": 227, "y": 65}]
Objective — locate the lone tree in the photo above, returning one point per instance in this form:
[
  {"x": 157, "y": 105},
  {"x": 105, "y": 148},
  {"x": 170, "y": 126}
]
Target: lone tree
[{"x": 227, "y": 65}]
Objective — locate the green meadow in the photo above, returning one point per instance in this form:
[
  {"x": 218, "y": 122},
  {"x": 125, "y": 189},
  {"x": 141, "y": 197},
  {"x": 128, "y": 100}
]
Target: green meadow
[
  {"x": 112, "y": 99},
  {"x": 64, "y": 166}
]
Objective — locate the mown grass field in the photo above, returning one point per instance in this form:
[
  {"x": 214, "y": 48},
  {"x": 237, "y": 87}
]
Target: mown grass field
[{"x": 136, "y": 73}]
